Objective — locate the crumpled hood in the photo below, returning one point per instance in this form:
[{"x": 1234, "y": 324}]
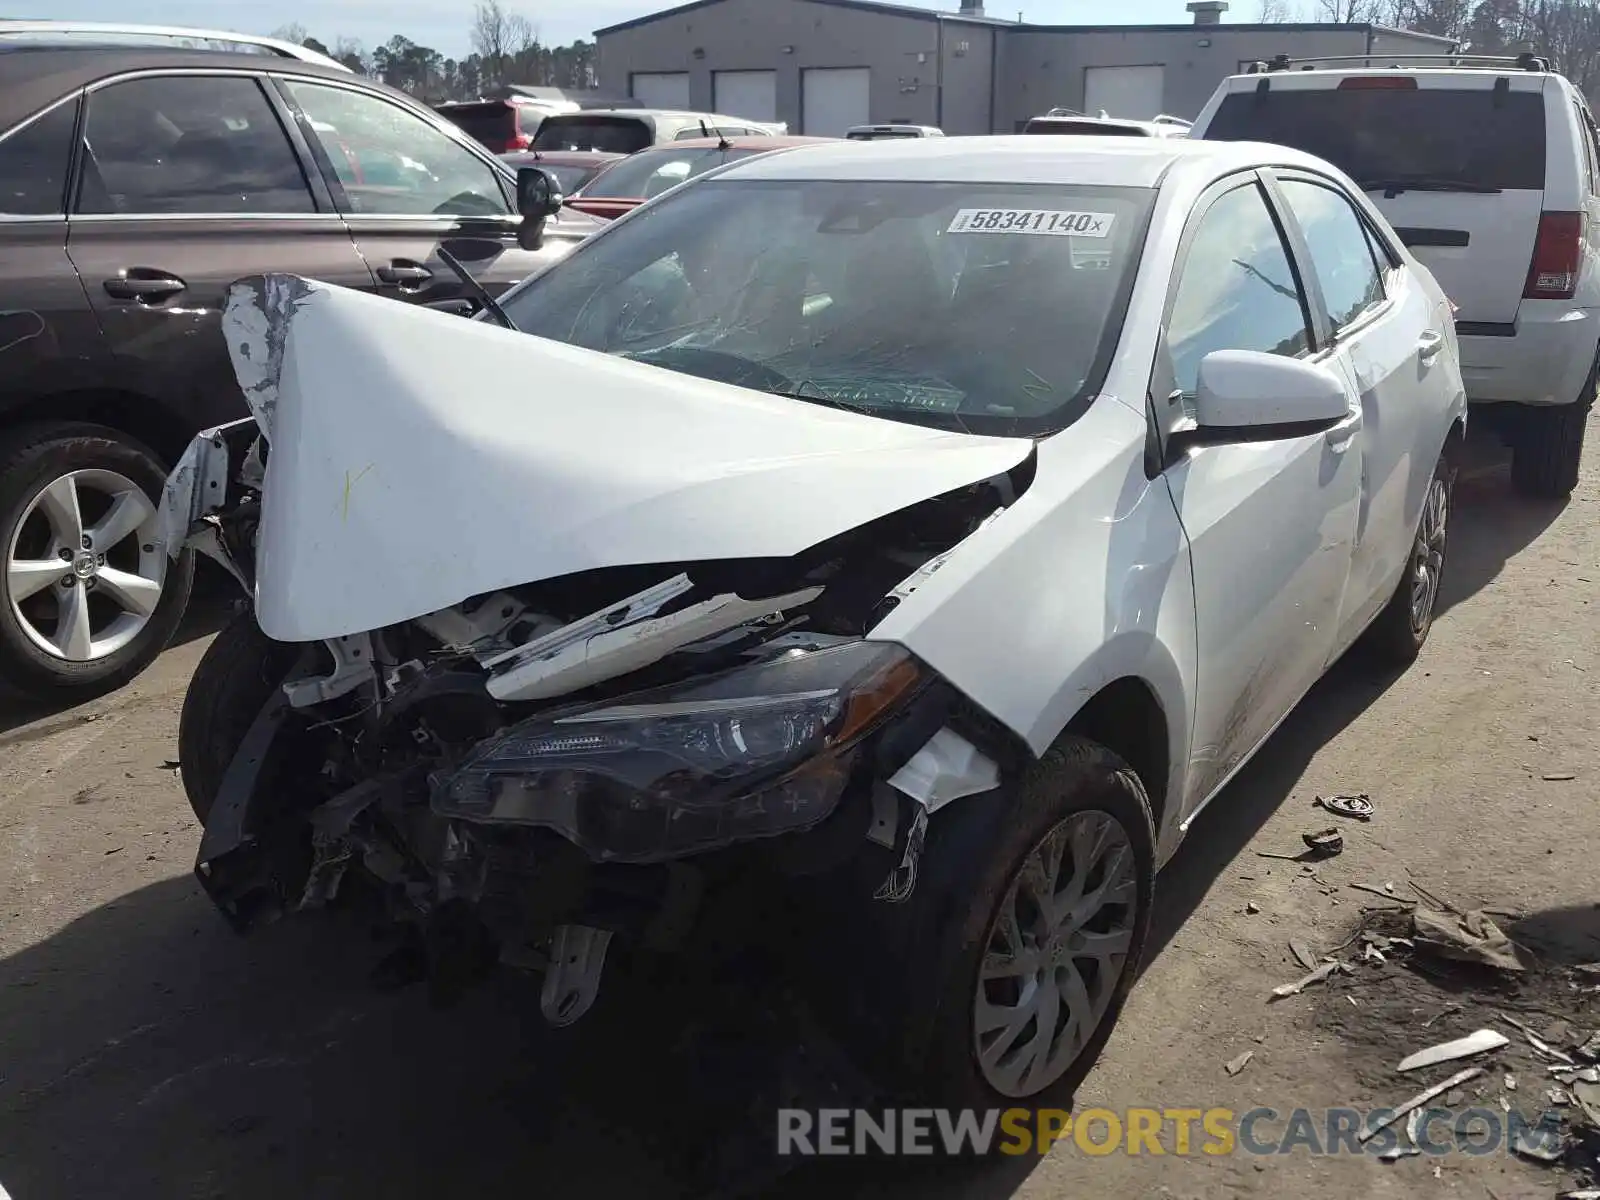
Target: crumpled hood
[{"x": 418, "y": 459}]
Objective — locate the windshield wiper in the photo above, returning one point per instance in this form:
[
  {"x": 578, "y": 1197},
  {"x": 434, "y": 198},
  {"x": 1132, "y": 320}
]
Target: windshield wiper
[
  {"x": 1422, "y": 183},
  {"x": 479, "y": 292}
]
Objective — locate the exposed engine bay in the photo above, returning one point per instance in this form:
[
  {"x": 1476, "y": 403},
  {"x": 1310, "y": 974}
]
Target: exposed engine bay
[{"x": 530, "y": 774}]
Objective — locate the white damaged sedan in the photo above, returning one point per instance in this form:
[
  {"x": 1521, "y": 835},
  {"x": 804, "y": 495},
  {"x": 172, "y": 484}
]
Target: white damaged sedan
[{"x": 913, "y": 536}]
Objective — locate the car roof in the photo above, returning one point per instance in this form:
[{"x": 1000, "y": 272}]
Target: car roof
[
  {"x": 739, "y": 142},
  {"x": 1087, "y": 160},
  {"x": 1312, "y": 79},
  {"x": 35, "y": 77}
]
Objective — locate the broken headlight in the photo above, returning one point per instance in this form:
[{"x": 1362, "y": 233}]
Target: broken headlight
[{"x": 754, "y": 752}]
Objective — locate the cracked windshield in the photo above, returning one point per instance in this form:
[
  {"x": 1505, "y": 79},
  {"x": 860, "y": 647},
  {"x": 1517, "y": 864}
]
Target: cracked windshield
[{"x": 970, "y": 306}]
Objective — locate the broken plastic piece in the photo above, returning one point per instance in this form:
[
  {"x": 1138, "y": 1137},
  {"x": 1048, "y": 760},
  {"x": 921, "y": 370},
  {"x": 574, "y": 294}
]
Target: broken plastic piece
[
  {"x": 1234, "y": 1065},
  {"x": 1325, "y": 843},
  {"x": 1474, "y": 1043},
  {"x": 1358, "y": 806},
  {"x": 577, "y": 960},
  {"x": 1303, "y": 956},
  {"x": 1421, "y": 1098},
  {"x": 1294, "y": 989},
  {"x": 1538, "y": 1043},
  {"x": 947, "y": 768}
]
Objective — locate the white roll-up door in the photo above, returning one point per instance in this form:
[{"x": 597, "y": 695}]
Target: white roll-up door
[
  {"x": 832, "y": 99},
  {"x": 752, "y": 95},
  {"x": 661, "y": 89},
  {"x": 1133, "y": 93}
]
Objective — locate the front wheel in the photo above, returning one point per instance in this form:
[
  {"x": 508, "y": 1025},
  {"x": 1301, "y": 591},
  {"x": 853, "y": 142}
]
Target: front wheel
[
  {"x": 88, "y": 597},
  {"x": 1003, "y": 977}
]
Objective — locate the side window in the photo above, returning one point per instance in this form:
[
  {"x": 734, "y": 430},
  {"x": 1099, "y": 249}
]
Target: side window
[
  {"x": 1586, "y": 136},
  {"x": 189, "y": 144},
  {"x": 1340, "y": 251},
  {"x": 1236, "y": 290},
  {"x": 392, "y": 162},
  {"x": 33, "y": 165}
]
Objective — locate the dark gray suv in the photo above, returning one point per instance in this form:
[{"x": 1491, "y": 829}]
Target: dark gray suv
[{"x": 135, "y": 186}]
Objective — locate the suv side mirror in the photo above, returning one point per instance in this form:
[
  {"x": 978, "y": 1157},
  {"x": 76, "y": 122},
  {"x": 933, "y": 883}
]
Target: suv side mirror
[
  {"x": 538, "y": 199},
  {"x": 1252, "y": 390}
]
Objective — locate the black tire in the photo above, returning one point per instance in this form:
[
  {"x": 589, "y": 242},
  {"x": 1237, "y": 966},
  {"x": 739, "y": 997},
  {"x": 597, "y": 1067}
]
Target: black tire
[
  {"x": 1397, "y": 636},
  {"x": 32, "y": 457},
  {"x": 1548, "y": 446},
  {"x": 914, "y": 975},
  {"x": 231, "y": 685}
]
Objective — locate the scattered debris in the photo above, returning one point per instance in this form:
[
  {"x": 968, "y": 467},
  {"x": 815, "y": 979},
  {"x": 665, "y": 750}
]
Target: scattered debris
[
  {"x": 1511, "y": 1082},
  {"x": 1252, "y": 907},
  {"x": 1558, "y": 1097},
  {"x": 1325, "y": 843},
  {"x": 1570, "y": 1075},
  {"x": 1234, "y": 1065},
  {"x": 1587, "y": 1096},
  {"x": 1591, "y": 970},
  {"x": 1538, "y": 1043},
  {"x": 1398, "y": 1152},
  {"x": 1443, "y": 1012},
  {"x": 1581, "y": 1194},
  {"x": 1389, "y": 887},
  {"x": 1303, "y": 956},
  {"x": 1557, "y": 776},
  {"x": 114, "y": 850},
  {"x": 1541, "y": 1151},
  {"x": 171, "y": 764},
  {"x": 1370, "y": 953},
  {"x": 1438, "y": 1172},
  {"x": 1421, "y": 1098},
  {"x": 1358, "y": 806},
  {"x": 1476, "y": 1043},
  {"x": 1591, "y": 1048},
  {"x": 1294, "y": 989},
  {"x": 1367, "y": 887},
  {"x": 1472, "y": 938}
]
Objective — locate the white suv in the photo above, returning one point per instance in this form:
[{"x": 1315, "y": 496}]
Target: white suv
[{"x": 1487, "y": 169}]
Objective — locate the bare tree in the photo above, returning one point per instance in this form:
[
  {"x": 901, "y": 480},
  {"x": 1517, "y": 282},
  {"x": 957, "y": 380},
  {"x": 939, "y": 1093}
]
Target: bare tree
[
  {"x": 292, "y": 32},
  {"x": 500, "y": 37},
  {"x": 1354, "y": 12},
  {"x": 1274, "y": 12}
]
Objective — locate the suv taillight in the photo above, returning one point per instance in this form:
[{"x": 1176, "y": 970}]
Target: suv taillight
[{"x": 1557, "y": 254}]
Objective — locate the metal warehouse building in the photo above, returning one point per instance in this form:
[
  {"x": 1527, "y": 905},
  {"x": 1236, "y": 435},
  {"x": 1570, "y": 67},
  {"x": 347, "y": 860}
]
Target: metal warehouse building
[{"x": 825, "y": 65}]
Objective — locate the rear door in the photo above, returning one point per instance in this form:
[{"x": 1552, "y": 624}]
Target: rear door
[
  {"x": 1387, "y": 336},
  {"x": 1455, "y": 161},
  {"x": 407, "y": 187},
  {"x": 187, "y": 182}
]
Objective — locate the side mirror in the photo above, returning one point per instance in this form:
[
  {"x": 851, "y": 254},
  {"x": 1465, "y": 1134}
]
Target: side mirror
[
  {"x": 538, "y": 199},
  {"x": 1249, "y": 389}
]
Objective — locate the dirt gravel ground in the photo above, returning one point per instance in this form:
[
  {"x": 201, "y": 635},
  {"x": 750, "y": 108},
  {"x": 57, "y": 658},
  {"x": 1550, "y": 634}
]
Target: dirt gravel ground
[{"x": 146, "y": 1052}]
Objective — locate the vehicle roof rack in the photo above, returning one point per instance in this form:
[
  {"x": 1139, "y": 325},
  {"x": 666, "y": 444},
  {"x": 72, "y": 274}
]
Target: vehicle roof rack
[
  {"x": 109, "y": 32},
  {"x": 1167, "y": 119},
  {"x": 1480, "y": 62}
]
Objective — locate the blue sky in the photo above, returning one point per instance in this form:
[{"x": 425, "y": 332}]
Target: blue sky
[{"x": 443, "y": 24}]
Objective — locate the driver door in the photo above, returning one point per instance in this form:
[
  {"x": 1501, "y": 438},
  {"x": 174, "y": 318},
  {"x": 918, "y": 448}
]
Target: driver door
[{"x": 407, "y": 187}]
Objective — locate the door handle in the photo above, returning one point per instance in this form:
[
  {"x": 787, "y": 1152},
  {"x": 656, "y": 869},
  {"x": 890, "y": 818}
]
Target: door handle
[
  {"x": 1429, "y": 345},
  {"x": 1341, "y": 435},
  {"x": 144, "y": 285},
  {"x": 405, "y": 274}
]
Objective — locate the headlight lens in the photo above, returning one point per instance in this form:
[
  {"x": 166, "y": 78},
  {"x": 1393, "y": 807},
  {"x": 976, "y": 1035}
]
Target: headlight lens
[{"x": 754, "y": 752}]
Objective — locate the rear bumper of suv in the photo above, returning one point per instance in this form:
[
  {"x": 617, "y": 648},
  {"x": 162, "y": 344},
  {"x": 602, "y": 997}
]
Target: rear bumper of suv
[{"x": 1542, "y": 359}]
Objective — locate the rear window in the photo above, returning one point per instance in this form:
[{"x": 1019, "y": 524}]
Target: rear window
[
  {"x": 492, "y": 124},
  {"x": 1475, "y": 137},
  {"x": 652, "y": 172},
  {"x": 1084, "y": 127},
  {"x": 614, "y": 135}
]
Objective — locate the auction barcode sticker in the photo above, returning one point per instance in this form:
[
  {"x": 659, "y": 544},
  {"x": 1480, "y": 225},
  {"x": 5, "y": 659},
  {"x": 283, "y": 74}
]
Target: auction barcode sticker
[{"x": 1050, "y": 222}]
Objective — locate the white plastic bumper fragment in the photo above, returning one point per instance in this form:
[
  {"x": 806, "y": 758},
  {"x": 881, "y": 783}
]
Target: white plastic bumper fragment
[{"x": 947, "y": 768}]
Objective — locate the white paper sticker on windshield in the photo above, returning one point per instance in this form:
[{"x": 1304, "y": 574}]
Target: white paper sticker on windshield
[{"x": 1047, "y": 221}]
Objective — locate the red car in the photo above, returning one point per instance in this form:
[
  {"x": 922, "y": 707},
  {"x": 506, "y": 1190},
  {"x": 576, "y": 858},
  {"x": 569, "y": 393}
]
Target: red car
[
  {"x": 622, "y": 187},
  {"x": 573, "y": 169}
]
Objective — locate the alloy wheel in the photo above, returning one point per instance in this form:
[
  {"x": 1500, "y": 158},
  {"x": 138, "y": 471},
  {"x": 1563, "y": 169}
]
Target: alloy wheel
[
  {"x": 1055, "y": 953},
  {"x": 84, "y": 571},
  {"x": 1427, "y": 555}
]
